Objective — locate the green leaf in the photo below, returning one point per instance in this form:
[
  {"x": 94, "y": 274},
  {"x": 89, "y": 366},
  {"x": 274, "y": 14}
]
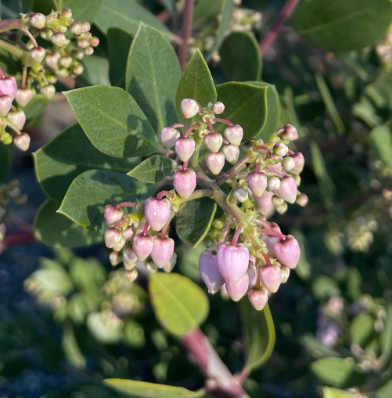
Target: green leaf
[
  {"x": 44, "y": 6},
  {"x": 104, "y": 328},
  {"x": 153, "y": 169},
  {"x": 246, "y": 105},
  {"x": 337, "y": 25},
  {"x": 119, "y": 43},
  {"x": 91, "y": 191},
  {"x": 125, "y": 14},
  {"x": 206, "y": 10},
  {"x": 324, "y": 288},
  {"x": 381, "y": 142},
  {"x": 53, "y": 280},
  {"x": 71, "y": 348},
  {"x": 11, "y": 65},
  {"x": 96, "y": 69},
  {"x": 224, "y": 24},
  {"x": 361, "y": 329},
  {"x": 273, "y": 110},
  {"x": 240, "y": 57},
  {"x": 57, "y": 230},
  {"x": 196, "y": 82},
  {"x": 335, "y": 393},
  {"x": 386, "y": 336},
  {"x": 68, "y": 155},
  {"x": 385, "y": 390},
  {"x": 5, "y": 161},
  {"x": 141, "y": 389},
  {"x": 113, "y": 121},
  {"x": 179, "y": 304},
  {"x": 334, "y": 372},
  {"x": 83, "y": 11},
  {"x": 194, "y": 220},
  {"x": 152, "y": 76},
  {"x": 259, "y": 334}
]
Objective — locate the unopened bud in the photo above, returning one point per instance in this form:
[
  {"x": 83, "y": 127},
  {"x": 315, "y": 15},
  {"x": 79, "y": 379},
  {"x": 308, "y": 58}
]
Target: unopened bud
[
  {"x": 215, "y": 162},
  {"x": 5, "y": 104},
  {"x": 83, "y": 43},
  {"x": 273, "y": 183},
  {"x": 89, "y": 51},
  {"x": 112, "y": 215},
  {"x": 288, "y": 163},
  {"x": 48, "y": 91},
  {"x": 257, "y": 183},
  {"x": 299, "y": 161},
  {"x": 231, "y": 153},
  {"x": 288, "y": 189},
  {"x": 53, "y": 60},
  {"x": 17, "y": 118},
  {"x": 184, "y": 183},
  {"x": 168, "y": 267},
  {"x": 233, "y": 261},
  {"x": 239, "y": 289},
  {"x": 280, "y": 149},
  {"x": 290, "y": 133},
  {"x": 302, "y": 200},
  {"x": 46, "y": 34},
  {"x": 86, "y": 27},
  {"x": 115, "y": 258},
  {"x": 241, "y": 195},
  {"x": 77, "y": 69},
  {"x": 129, "y": 258},
  {"x": 66, "y": 61},
  {"x": 114, "y": 239},
  {"x": 162, "y": 251},
  {"x": 288, "y": 251},
  {"x": 271, "y": 277},
  {"x": 169, "y": 136},
  {"x": 142, "y": 245},
  {"x": 218, "y": 108},
  {"x": 258, "y": 298},
  {"x": 131, "y": 275},
  {"x": 185, "y": 147},
  {"x": 38, "y": 20},
  {"x": 189, "y": 108},
  {"x": 59, "y": 39},
  {"x": 8, "y": 86},
  {"x": 76, "y": 28},
  {"x": 213, "y": 141},
  {"x": 208, "y": 268},
  {"x": 38, "y": 54},
  {"x": 234, "y": 134},
  {"x": 157, "y": 213},
  {"x": 285, "y": 273},
  {"x": 94, "y": 41}
]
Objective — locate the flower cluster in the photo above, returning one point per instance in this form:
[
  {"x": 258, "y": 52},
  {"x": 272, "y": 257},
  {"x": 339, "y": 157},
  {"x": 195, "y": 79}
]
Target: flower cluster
[{"x": 245, "y": 252}]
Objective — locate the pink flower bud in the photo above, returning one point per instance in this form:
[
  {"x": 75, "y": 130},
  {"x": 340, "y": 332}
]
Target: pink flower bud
[
  {"x": 129, "y": 258},
  {"x": 288, "y": 163},
  {"x": 53, "y": 60},
  {"x": 157, "y": 213},
  {"x": 59, "y": 39},
  {"x": 168, "y": 267},
  {"x": 66, "y": 12},
  {"x": 233, "y": 261},
  {"x": 76, "y": 28},
  {"x": 264, "y": 204},
  {"x": 17, "y": 119},
  {"x": 218, "y": 108},
  {"x": 48, "y": 91},
  {"x": 213, "y": 141},
  {"x": 234, "y": 134},
  {"x": 114, "y": 239},
  {"x": 89, "y": 51},
  {"x": 273, "y": 183},
  {"x": 252, "y": 274},
  {"x": 275, "y": 168},
  {"x": 299, "y": 161},
  {"x": 239, "y": 289},
  {"x": 22, "y": 141},
  {"x": 302, "y": 200},
  {"x": 5, "y": 104},
  {"x": 169, "y": 136},
  {"x": 115, "y": 258},
  {"x": 131, "y": 275},
  {"x": 184, "y": 183},
  {"x": 271, "y": 277},
  {"x": 142, "y": 245},
  {"x": 86, "y": 27},
  {"x": 8, "y": 86},
  {"x": 128, "y": 234},
  {"x": 288, "y": 189},
  {"x": 185, "y": 148},
  {"x": 209, "y": 271},
  {"x": 215, "y": 162},
  {"x": 112, "y": 215},
  {"x": 241, "y": 195},
  {"x": 189, "y": 108},
  {"x": 232, "y": 153},
  {"x": 38, "y": 20},
  {"x": 288, "y": 251},
  {"x": 38, "y": 54},
  {"x": 290, "y": 133},
  {"x": 280, "y": 149},
  {"x": 94, "y": 41},
  {"x": 285, "y": 273},
  {"x": 162, "y": 251},
  {"x": 270, "y": 243},
  {"x": 258, "y": 298},
  {"x": 257, "y": 183},
  {"x": 24, "y": 96},
  {"x": 83, "y": 43}
]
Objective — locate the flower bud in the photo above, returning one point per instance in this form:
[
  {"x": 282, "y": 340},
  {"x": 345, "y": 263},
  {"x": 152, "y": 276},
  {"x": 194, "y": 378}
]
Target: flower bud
[
  {"x": 252, "y": 274},
  {"x": 5, "y": 104},
  {"x": 264, "y": 204},
  {"x": 151, "y": 266},
  {"x": 86, "y": 27},
  {"x": 48, "y": 91},
  {"x": 189, "y": 108},
  {"x": 234, "y": 134},
  {"x": 271, "y": 277},
  {"x": 46, "y": 34},
  {"x": 53, "y": 60},
  {"x": 129, "y": 258},
  {"x": 270, "y": 243},
  {"x": 288, "y": 189},
  {"x": 299, "y": 161},
  {"x": 162, "y": 251},
  {"x": 66, "y": 12},
  {"x": 302, "y": 200},
  {"x": 273, "y": 183},
  {"x": 280, "y": 149},
  {"x": 24, "y": 96},
  {"x": 94, "y": 41},
  {"x": 157, "y": 213},
  {"x": 38, "y": 54},
  {"x": 77, "y": 69},
  {"x": 209, "y": 271},
  {"x": 241, "y": 195},
  {"x": 288, "y": 251},
  {"x": 169, "y": 136},
  {"x": 218, "y": 108},
  {"x": 112, "y": 215},
  {"x": 89, "y": 51},
  {"x": 131, "y": 275},
  {"x": 258, "y": 298},
  {"x": 114, "y": 239},
  {"x": 185, "y": 148},
  {"x": 142, "y": 245},
  {"x": 168, "y": 267},
  {"x": 59, "y": 39},
  {"x": 7, "y": 139},
  {"x": 239, "y": 289},
  {"x": 231, "y": 153},
  {"x": 79, "y": 54},
  {"x": 8, "y": 86},
  {"x": 83, "y": 43},
  {"x": 285, "y": 273},
  {"x": 76, "y": 28},
  {"x": 233, "y": 261},
  {"x": 277, "y": 167},
  {"x": 185, "y": 183},
  {"x": 66, "y": 61},
  {"x": 290, "y": 133},
  {"x": 115, "y": 258},
  {"x": 288, "y": 163},
  {"x": 17, "y": 118},
  {"x": 128, "y": 234},
  {"x": 257, "y": 183},
  {"x": 38, "y": 20},
  {"x": 213, "y": 141},
  {"x": 215, "y": 162}
]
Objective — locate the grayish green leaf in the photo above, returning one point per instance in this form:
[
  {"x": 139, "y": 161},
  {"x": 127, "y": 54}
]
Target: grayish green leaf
[
  {"x": 153, "y": 169},
  {"x": 335, "y": 372},
  {"x": 362, "y": 329},
  {"x": 96, "y": 69},
  {"x": 82, "y": 10}
]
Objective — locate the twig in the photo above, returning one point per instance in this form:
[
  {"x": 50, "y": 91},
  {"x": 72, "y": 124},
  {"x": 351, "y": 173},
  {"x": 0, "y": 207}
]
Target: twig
[
  {"x": 277, "y": 25},
  {"x": 21, "y": 224},
  {"x": 186, "y": 32},
  {"x": 9, "y": 24},
  {"x": 16, "y": 238}
]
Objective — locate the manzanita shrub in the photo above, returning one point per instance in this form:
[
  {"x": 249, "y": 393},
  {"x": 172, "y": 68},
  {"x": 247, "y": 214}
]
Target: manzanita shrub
[{"x": 185, "y": 158}]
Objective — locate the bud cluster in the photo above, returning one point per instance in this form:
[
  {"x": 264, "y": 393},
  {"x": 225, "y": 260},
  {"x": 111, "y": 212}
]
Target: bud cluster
[{"x": 246, "y": 254}]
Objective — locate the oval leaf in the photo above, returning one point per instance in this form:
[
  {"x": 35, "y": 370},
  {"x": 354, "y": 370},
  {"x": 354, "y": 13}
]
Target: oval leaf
[
  {"x": 240, "y": 57},
  {"x": 69, "y": 154},
  {"x": 152, "y": 76},
  {"x": 196, "y": 82},
  {"x": 338, "y": 25},
  {"x": 179, "y": 304},
  {"x": 84, "y": 11},
  {"x": 91, "y": 191},
  {"x": 194, "y": 220},
  {"x": 335, "y": 393},
  {"x": 153, "y": 169},
  {"x": 259, "y": 334},
  {"x": 246, "y": 105},
  {"x": 113, "y": 121},
  {"x": 334, "y": 372},
  {"x": 141, "y": 389},
  {"x": 362, "y": 329}
]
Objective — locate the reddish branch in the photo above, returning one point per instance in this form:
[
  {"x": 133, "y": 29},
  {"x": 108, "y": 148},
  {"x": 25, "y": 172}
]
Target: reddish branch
[{"x": 186, "y": 32}]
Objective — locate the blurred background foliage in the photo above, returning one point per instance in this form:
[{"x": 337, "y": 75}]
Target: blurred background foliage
[{"x": 68, "y": 319}]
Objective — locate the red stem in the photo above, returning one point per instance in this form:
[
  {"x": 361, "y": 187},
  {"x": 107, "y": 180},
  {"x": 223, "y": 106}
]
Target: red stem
[
  {"x": 177, "y": 125},
  {"x": 126, "y": 204},
  {"x": 264, "y": 148},
  {"x": 236, "y": 235},
  {"x": 270, "y": 37},
  {"x": 190, "y": 129},
  {"x": 184, "y": 166},
  {"x": 145, "y": 229},
  {"x": 225, "y": 121},
  {"x": 16, "y": 238},
  {"x": 266, "y": 258},
  {"x": 210, "y": 126},
  {"x": 273, "y": 233},
  {"x": 186, "y": 32},
  {"x": 161, "y": 194}
]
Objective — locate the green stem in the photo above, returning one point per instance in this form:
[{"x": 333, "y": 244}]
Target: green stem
[
  {"x": 24, "y": 55},
  {"x": 234, "y": 170},
  {"x": 10, "y": 24},
  {"x": 12, "y": 49}
]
